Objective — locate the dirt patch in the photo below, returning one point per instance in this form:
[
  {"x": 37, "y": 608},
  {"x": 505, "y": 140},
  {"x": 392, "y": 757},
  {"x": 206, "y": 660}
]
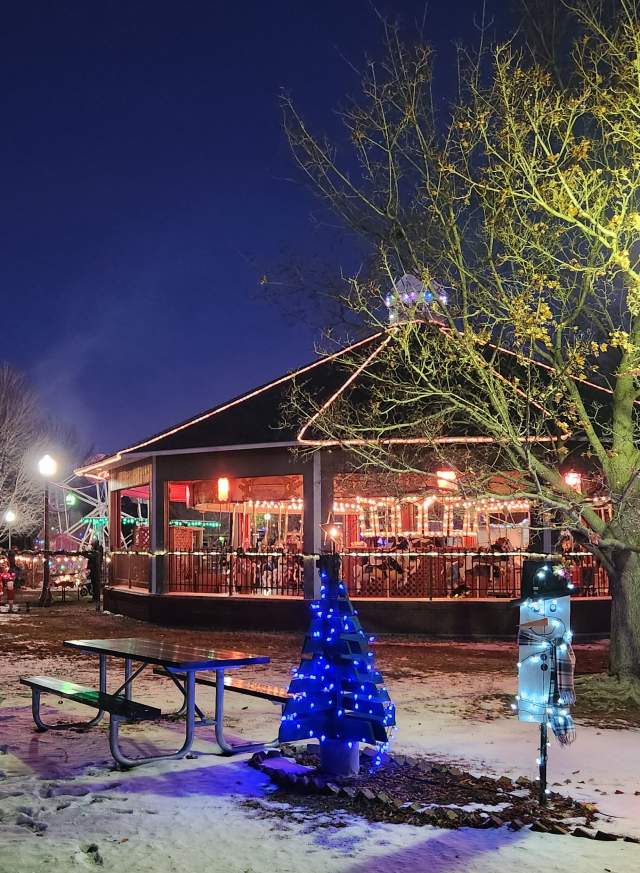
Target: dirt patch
[
  {"x": 425, "y": 792},
  {"x": 41, "y": 632}
]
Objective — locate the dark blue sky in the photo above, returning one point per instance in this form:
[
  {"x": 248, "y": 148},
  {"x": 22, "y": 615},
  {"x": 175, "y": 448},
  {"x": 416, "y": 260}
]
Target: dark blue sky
[{"x": 146, "y": 185}]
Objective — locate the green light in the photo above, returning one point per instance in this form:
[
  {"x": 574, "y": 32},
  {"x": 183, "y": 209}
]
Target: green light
[
  {"x": 96, "y": 522},
  {"x": 70, "y": 499},
  {"x": 144, "y": 522}
]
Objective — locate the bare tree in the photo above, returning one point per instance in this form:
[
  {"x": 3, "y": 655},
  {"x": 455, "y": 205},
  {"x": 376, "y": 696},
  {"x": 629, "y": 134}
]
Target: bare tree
[
  {"x": 26, "y": 433},
  {"x": 22, "y": 431},
  {"x": 518, "y": 211}
]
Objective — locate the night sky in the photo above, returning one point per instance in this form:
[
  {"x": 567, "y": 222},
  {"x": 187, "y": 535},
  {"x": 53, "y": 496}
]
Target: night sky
[{"x": 147, "y": 186}]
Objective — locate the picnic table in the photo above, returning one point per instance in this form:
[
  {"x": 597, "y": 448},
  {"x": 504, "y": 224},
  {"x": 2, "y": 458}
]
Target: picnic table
[{"x": 179, "y": 662}]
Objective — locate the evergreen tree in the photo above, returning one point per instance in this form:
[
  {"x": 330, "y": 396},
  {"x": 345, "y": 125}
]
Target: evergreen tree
[{"x": 338, "y": 696}]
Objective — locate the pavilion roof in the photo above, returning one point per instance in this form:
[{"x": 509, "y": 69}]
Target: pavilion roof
[
  {"x": 257, "y": 418},
  {"x": 260, "y": 417}
]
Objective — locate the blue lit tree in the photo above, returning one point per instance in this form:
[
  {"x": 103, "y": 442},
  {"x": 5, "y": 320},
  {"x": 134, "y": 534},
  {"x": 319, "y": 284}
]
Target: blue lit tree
[{"x": 338, "y": 696}]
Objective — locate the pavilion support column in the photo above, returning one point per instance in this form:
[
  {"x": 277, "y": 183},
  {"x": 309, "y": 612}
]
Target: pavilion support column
[
  {"x": 318, "y": 505},
  {"x": 115, "y": 521},
  {"x": 157, "y": 525}
]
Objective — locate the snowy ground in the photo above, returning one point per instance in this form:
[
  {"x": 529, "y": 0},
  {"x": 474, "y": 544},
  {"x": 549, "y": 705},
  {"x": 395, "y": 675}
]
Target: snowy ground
[{"x": 64, "y": 807}]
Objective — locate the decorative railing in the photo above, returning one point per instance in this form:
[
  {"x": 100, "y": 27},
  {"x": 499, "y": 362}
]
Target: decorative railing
[
  {"x": 130, "y": 569},
  {"x": 215, "y": 572},
  {"x": 456, "y": 573},
  {"x": 378, "y": 574}
]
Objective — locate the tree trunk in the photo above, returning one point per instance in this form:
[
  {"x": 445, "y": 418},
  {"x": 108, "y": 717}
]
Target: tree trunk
[{"x": 624, "y": 653}]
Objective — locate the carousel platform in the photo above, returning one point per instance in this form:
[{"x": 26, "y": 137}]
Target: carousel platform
[{"x": 443, "y": 618}]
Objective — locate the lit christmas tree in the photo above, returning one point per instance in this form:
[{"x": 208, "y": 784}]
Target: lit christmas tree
[{"x": 338, "y": 696}]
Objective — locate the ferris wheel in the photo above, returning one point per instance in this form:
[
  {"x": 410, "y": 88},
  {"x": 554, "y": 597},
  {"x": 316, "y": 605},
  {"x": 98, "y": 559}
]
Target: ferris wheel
[{"x": 79, "y": 512}]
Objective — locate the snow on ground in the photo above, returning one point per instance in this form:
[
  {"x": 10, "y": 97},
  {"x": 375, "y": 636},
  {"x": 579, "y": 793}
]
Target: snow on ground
[{"x": 63, "y": 806}]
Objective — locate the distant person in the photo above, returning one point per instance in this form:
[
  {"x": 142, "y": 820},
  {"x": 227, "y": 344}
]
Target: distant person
[
  {"x": 94, "y": 566},
  {"x": 14, "y": 578},
  {"x": 566, "y": 545}
]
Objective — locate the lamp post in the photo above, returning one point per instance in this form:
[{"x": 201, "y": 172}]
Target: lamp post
[
  {"x": 9, "y": 518},
  {"x": 47, "y": 467}
]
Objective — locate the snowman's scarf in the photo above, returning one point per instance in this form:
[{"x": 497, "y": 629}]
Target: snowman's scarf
[{"x": 562, "y": 691}]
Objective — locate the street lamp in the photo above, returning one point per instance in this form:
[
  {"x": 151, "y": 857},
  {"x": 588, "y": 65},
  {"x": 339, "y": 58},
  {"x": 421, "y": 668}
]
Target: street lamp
[
  {"x": 47, "y": 467},
  {"x": 9, "y": 518}
]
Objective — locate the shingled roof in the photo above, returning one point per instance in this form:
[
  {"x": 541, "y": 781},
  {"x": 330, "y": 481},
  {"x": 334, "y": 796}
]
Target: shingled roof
[{"x": 257, "y": 418}]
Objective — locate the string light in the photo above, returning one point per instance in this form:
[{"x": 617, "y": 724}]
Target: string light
[
  {"x": 193, "y": 522},
  {"x": 383, "y": 516},
  {"x": 294, "y": 504}
]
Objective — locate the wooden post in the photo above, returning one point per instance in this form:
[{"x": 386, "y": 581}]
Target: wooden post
[
  {"x": 158, "y": 498},
  {"x": 318, "y": 504}
]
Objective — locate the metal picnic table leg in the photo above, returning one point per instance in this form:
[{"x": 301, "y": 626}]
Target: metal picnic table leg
[
  {"x": 127, "y": 678},
  {"x": 226, "y": 747},
  {"x": 42, "y": 726},
  {"x": 127, "y": 763},
  {"x": 219, "y": 715},
  {"x": 103, "y": 674},
  {"x": 190, "y": 720},
  {"x": 183, "y": 706}
]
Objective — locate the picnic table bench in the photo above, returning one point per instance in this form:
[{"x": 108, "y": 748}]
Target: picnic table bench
[
  {"x": 115, "y": 704},
  {"x": 250, "y": 687},
  {"x": 178, "y": 661}
]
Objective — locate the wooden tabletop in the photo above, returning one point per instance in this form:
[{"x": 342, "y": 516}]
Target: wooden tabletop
[{"x": 174, "y": 655}]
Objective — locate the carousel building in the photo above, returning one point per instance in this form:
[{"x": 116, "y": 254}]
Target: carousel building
[{"x": 218, "y": 520}]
